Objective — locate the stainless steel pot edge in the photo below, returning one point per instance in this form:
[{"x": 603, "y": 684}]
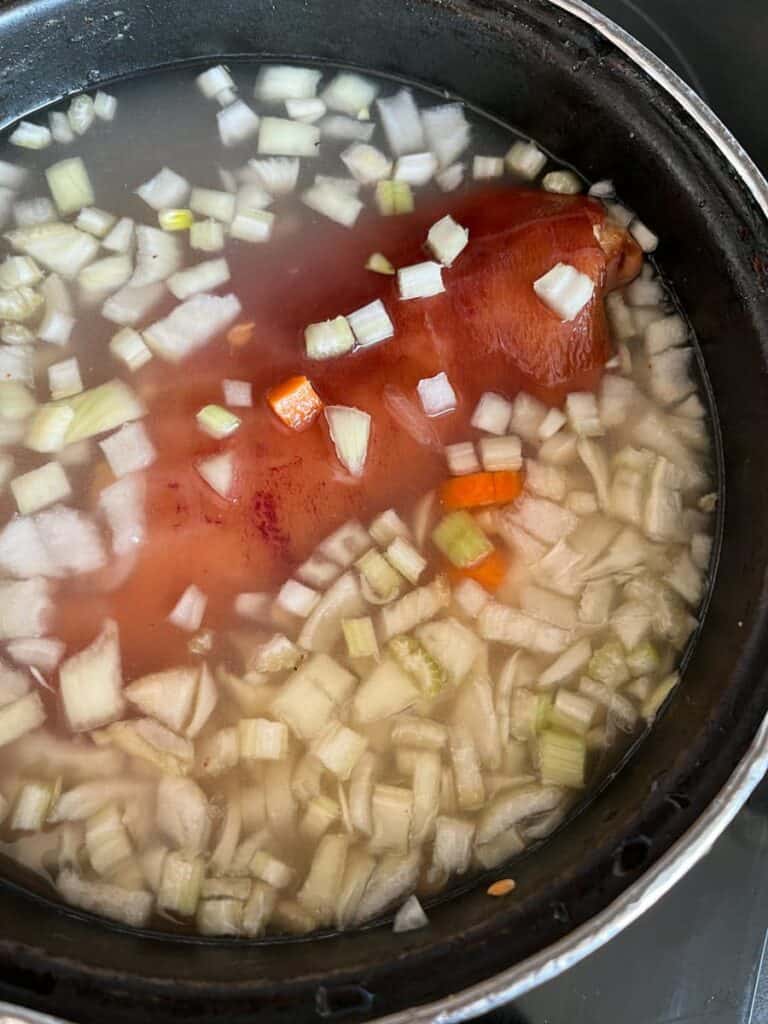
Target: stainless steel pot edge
[{"x": 698, "y": 840}]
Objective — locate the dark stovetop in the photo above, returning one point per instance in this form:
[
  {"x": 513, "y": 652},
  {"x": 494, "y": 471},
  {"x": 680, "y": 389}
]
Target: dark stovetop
[{"x": 699, "y": 956}]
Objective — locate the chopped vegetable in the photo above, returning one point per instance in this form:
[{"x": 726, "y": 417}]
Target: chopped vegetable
[
  {"x": 360, "y": 638},
  {"x": 328, "y": 339},
  {"x": 371, "y": 324},
  {"x": 479, "y": 489},
  {"x": 416, "y": 168},
  {"x": 129, "y": 449},
  {"x": 525, "y": 159},
  {"x": 564, "y": 290},
  {"x": 379, "y": 264},
  {"x": 436, "y": 395},
  {"x": 394, "y": 197},
  {"x": 446, "y": 240},
  {"x": 350, "y": 431},
  {"x": 40, "y": 487},
  {"x": 30, "y": 136},
  {"x": 462, "y": 458},
  {"x": 490, "y": 573},
  {"x": 492, "y": 414},
  {"x": 401, "y": 122},
  {"x": 501, "y": 888},
  {"x": 333, "y": 202},
  {"x": 237, "y": 122},
  {"x": 189, "y": 610}
]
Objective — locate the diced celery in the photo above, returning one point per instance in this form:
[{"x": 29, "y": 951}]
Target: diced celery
[
  {"x": 180, "y": 883},
  {"x": 461, "y": 540},
  {"x": 608, "y": 664},
  {"x": 262, "y": 740},
  {"x": 339, "y": 749},
  {"x": 70, "y": 185},
  {"x": 360, "y": 637},
  {"x": 420, "y": 665},
  {"x": 382, "y": 582},
  {"x": 217, "y": 421},
  {"x": 394, "y": 197},
  {"x": 562, "y": 758}
]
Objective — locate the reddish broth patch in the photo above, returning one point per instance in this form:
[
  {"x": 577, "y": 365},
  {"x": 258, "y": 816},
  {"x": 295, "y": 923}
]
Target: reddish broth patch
[{"x": 487, "y": 331}]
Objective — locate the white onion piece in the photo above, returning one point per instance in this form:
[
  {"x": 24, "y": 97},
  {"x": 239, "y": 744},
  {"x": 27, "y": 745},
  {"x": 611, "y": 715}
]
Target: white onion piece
[
  {"x": 420, "y": 280},
  {"x": 564, "y": 183},
  {"x": 501, "y": 453},
  {"x": 350, "y": 431},
  {"x": 129, "y": 449},
  {"x": 128, "y": 346},
  {"x": 39, "y": 210},
  {"x": 371, "y": 324},
  {"x": 64, "y": 379},
  {"x": 564, "y": 290},
  {"x": 401, "y": 122},
  {"x": 191, "y": 325},
  {"x": 366, "y": 164},
  {"x": 350, "y": 93},
  {"x": 306, "y": 110},
  {"x": 252, "y": 226},
  {"x": 279, "y": 136},
  {"x": 644, "y": 237},
  {"x": 18, "y": 271},
  {"x": 12, "y": 175},
  {"x": 61, "y": 129},
  {"x": 203, "y": 277},
  {"x": 602, "y": 189},
  {"x": 450, "y": 179},
  {"x": 165, "y": 189},
  {"x": 447, "y": 131},
  {"x": 278, "y": 175},
  {"x": 492, "y": 414},
  {"x": 282, "y": 82},
  {"x": 40, "y": 487},
  {"x": 218, "y": 471},
  {"x": 416, "y": 168},
  {"x": 106, "y": 275},
  {"x": 120, "y": 238},
  {"x": 525, "y": 159},
  {"x": 16, "y": 363},
  {"x": 189, "y": 610},
  {"x": 410, "y": 917},
  {"x": 250, "y": 197},
  {"x": 338, "y": 126},
  {"x": 206, "y": 236},
  {"x": 462, "y": 458},
  {"x": 25, "y": 609},
  {"x": 436, "y": 395},
  {"x": 58, "y": 247},
  {"x": 237, "y": 122},
  {"x": 72, "y": 540},
  {"x": 22, "y": 551},
  {"x": 484, "y": 167},
  {"x": 237, "y": 393},
  {"x": 348, "y": 185},
  {"x": 94, "y": 221},
  {"x": 297, "y": 599},
  {"x": 213, "y": 81},
  {"x": 104, "y": 106},
  {"x": 446, "y": 240},
  {"x": 43, "y": 653},
  {"x": 30, "y": 136},
  {"x": 129, "y": 305},
  {"x": 81, "y": 113},
  {"x": 158, "y": 255},
  {"x": 335, "y": 203},
  {"x": 123, "y": 506}
]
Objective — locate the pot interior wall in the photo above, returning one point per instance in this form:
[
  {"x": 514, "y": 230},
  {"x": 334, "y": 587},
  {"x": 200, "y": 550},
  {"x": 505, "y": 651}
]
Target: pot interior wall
[{"x": 549, "y": 75}]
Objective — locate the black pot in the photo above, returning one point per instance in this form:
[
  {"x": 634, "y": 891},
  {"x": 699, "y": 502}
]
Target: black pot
[{"x": 596, "y": 99}]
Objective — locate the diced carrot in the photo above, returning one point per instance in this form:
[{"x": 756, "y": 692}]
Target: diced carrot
[
  {"x": 489, "y": 573},
  {"x": 240, "y": 334},
  {"x": 470, "y": 491},
  {"x": 507, "y": 485},
  {"x": 478, "y": 489},
  {"x": 295, "y": 402},
  {"x": 503, "y": 887}
]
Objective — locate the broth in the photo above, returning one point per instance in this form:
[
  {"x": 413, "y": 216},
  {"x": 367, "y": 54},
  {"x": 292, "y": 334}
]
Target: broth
[{"x": 316, "y": 609}]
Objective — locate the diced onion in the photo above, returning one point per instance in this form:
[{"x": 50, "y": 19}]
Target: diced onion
[
  {"x": 34, "y": 211},
  {"x": 338, "y": 126},
  {"x": 211, "y": 202},
  {"x": 95, "y": 222},
  {"x": 420, "y": 280},
  {"x": 501, "y": 453},
  {"x": 129, "y": 305},
  {"x": 251, "y": 197},
  {"x": 252, "y": 226},
  {"x": 379, "y": 264},
  {"x": 371, "y": 324},
  {"x": 206, "y": 236},
  {"x": 81, "y": 113},
  {"x": 552, "y": 422},
  {"x": 11, "y": 175},
  {"x": 30, "y": 136},
  {"x": 61, "y": 129},
  {"x": 188, "y": 611},
  {"x": 564, "y": 290},
  {"x": 165, "y": 189},
  {"x": 103, "y": 276},
  {"x": 213, "y": 81},
  {"x": 218, "y": 471},
  {"x": 191, "y": 325},
  {"x": 17, "y": 271},
  {"x": 278, "y": 175},
  {"x": 129, "y": 449},
  {"x": 462, "y": 458},
  {"x": 350, "y": 431},
  {"x": 158, "y": 255},
  {"x": 328, "y": 339},
  {"x": 410, "y": 917},
  {"x": 436, "y": 395},
  {"x": 120, "y": 238},
  {"x": 297, "y": 599},
  {"x": 603, "y": 189},
  {"x": 123, "y": 506},
  {"x": 285, "y": 82},
  {"x": 217, "y": 422},
  {"x": 47, "y": 430},
  {"x": 447, "y": 131},
  {"x": 564, "y": 183},
  {"x": 401, "y": 121},
  {"x": 366, "y": 164},
  {"x": 40, "y": 487},
  {"x": 64, "y": 379},
  {"x": 525, "y": 159},
  {"x": 203, "y": 277},
  {"x": 237, "y": 122},
  {"x": 307, "y": 110},
  {"x": 350, "y": 93},
  {"x": 492, "y": 414},
  {"x": 416, "y": 168},
  {"x": 446, "y": 240},
  {"x": 281, "y": 137},
  {"x": 583, "y": 415},
  {"x": 44, "y": 653},
  {"x": 644, "y": 237},
  {"x": 104, "y": 106},
  {"x": 335, "y": 203},
  {"x": 484, "y": 167},
  {"x": 237, "y": 392},
  {"x": 103, "y": 408},
  {"x": 128, "y": 346}
]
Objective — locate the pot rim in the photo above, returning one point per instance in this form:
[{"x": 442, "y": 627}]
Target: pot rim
[{"x": 699, "y": 839}]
